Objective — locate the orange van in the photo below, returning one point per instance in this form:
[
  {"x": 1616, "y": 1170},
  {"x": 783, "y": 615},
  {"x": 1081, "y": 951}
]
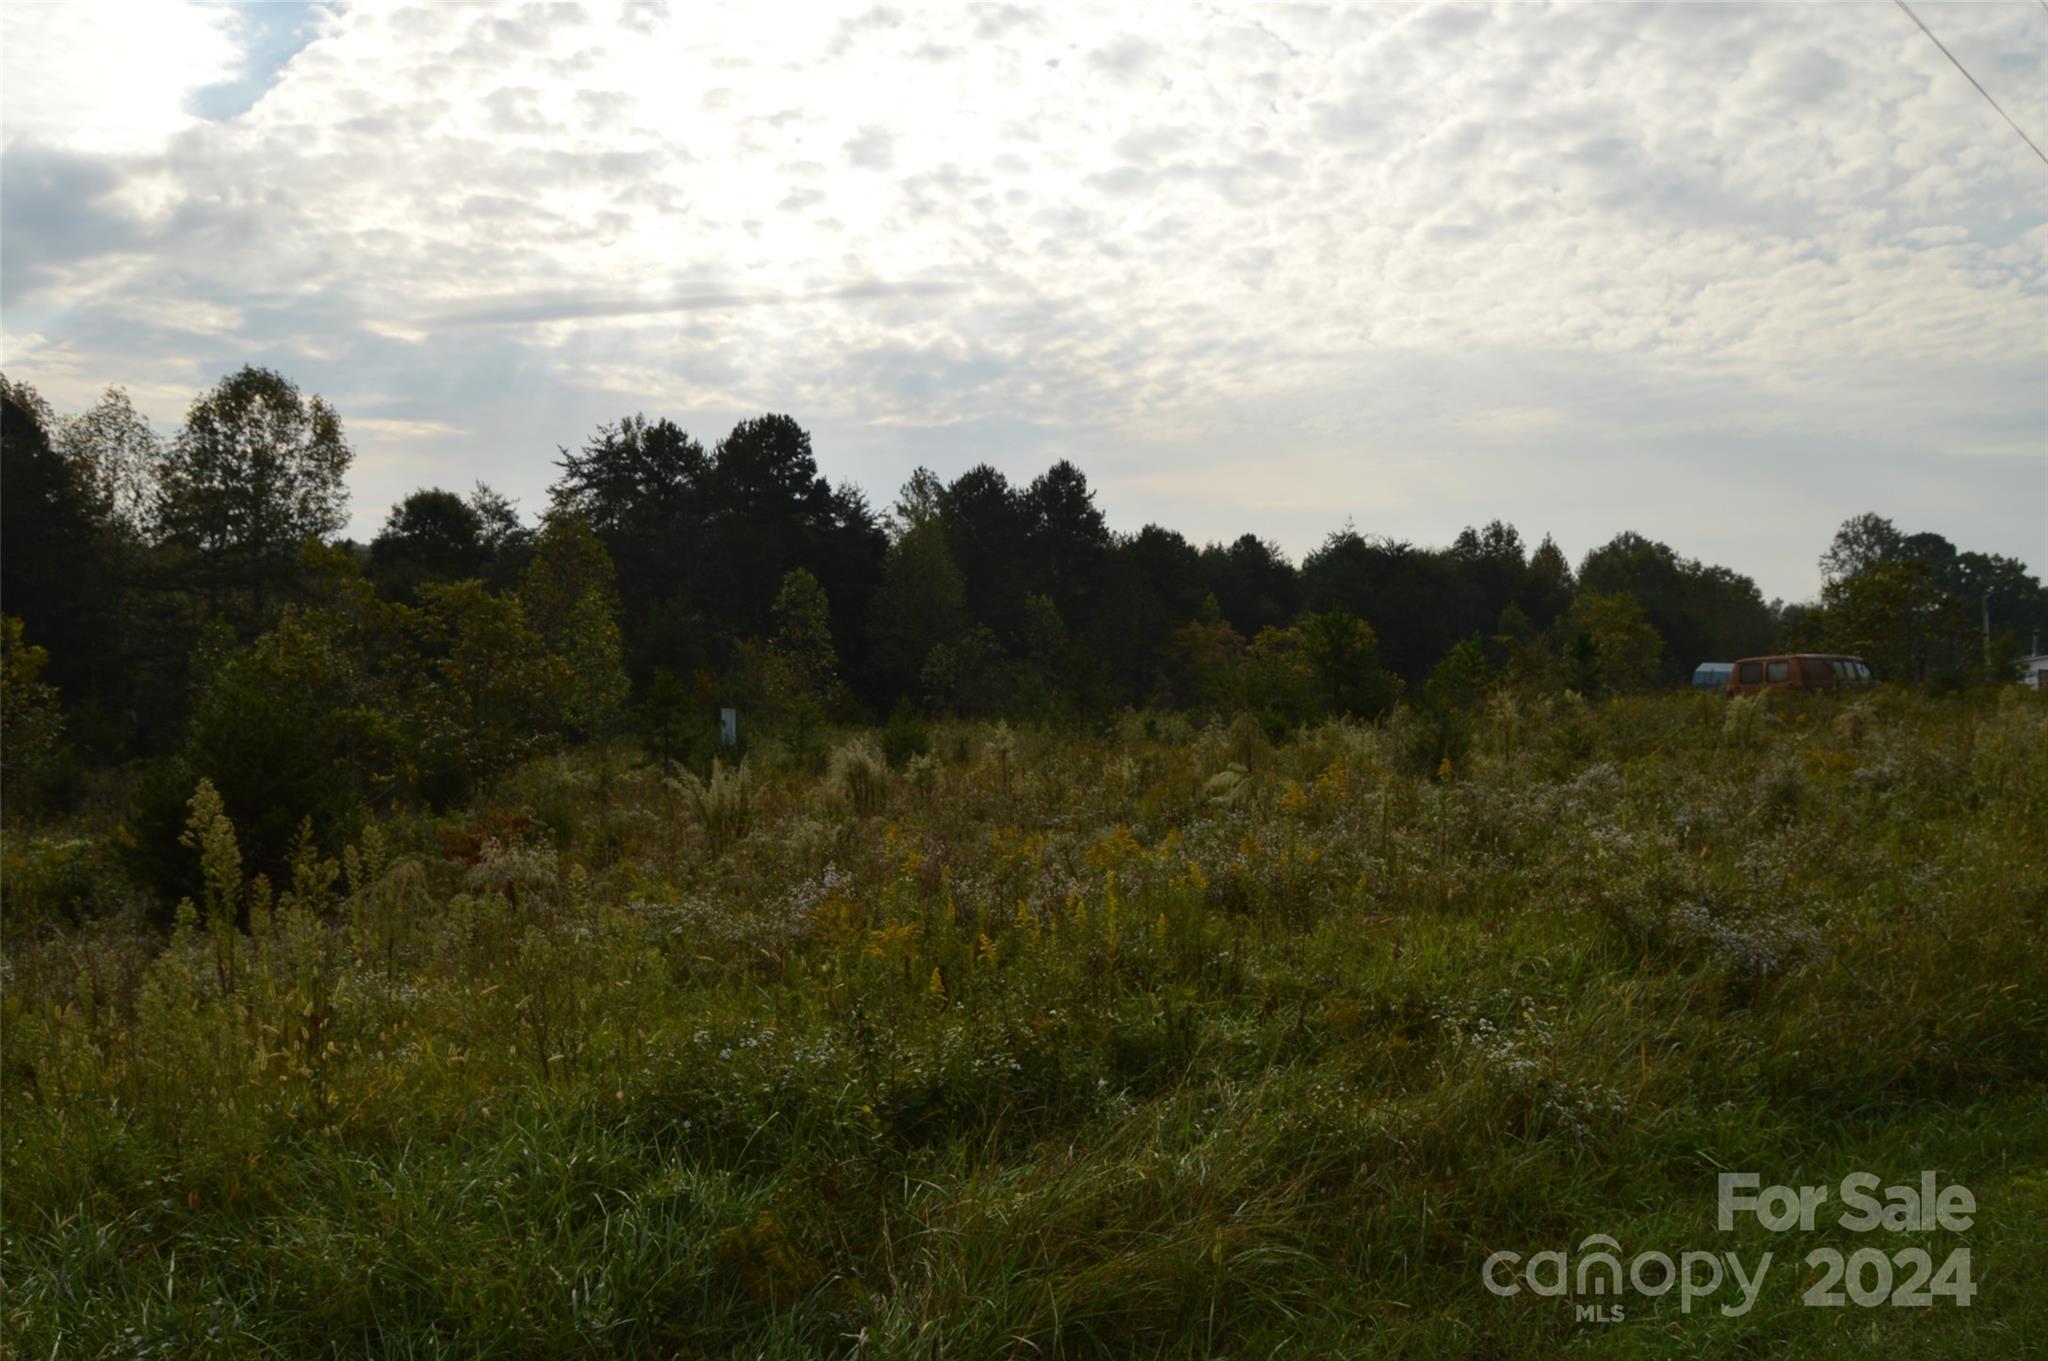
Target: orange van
[{"x": 1812, "y": 672}]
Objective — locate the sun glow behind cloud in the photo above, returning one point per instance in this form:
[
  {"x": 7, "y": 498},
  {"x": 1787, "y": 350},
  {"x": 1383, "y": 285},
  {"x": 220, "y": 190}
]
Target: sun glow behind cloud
[{"x": 1720, "y": 275}]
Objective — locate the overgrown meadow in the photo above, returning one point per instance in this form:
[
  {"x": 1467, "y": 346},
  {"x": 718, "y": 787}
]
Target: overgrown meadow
[{"x": 1165, "y": 1041}]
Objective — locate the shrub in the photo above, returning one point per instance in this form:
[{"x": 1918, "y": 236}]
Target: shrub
[
  {"x": 274, "y": 730},
  {"x": 48, "y": 877},
  {"x": 31, "y": 726},
  {"x": 906, "y": 736}
]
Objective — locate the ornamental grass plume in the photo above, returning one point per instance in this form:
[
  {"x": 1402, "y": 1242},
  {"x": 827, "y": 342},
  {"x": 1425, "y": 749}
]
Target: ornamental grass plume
[{"x": 722, "y": 805}]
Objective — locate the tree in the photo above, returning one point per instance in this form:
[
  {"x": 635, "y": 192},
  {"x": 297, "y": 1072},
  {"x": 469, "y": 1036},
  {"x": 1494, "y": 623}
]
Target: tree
[
  {"x": 795, "y": 673},
  {"x": 506, "y": 539},
  {"x": 1414, "y": 597},
  {"x": 988, "y": 530},
  {"x": 666, "y": 714},
  {"x": 1461, "y": 680},
  {"x": 1491, "y": 567},
  {"x": 770, "y": 513},
  {"x": 1152, "y": 583},
  {"x": 1701, "y": 612},
  {"x": 921, "y": 604},
  {"x": 432, "y": 535},
  {"x": 572, "y": 602},
  {"x": 1346, "y": 658},
  {"x": 118, "y": 455},
  {"x": 1456, "y": 684},
  {"x": 1278, "y": 679},
  {"x": 122, "y": 644},
  {"x": 1524, "y": 653},
  {"x": 257, "y": 469},
  {"x": 1548, "y": 585},
  {"x": 569, "y": 562},
  {"x": 634, "y": 480},
  {"x": 31, "y": 727},
  {"x": 1254, "y": 584},
  {"x": 1861, "y": 543},
  {"x": 595, "y": 655},
  {"x": 1067, "y": 537},
  {"x": 1581, "y": 661},
  {"x": 921, "y": 502},
  {"x": 642, "y": 487},
  {"x": 1917, "y": 608},
  {"x": 284, "y": 729},
  {"x": 49, "y": 535},
  {"x": 803, "y": 634},
  {"x": 1624, "y": 642},
  {"x": 498, "y": 693},
  {"x": 1043, "y": 677},
  {"x": 964, "y": 674},
  {"x": 1206, "y": 659},
  {"x": 1893, "y": 615}
]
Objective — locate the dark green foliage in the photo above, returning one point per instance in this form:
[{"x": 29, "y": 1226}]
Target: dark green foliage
[
  {"x": 667, "y": 715},
  {"x": 1917, "y": 609},
  {"x": 702, "y": 542},
  {"x": 988, "y": 532},
  {"x": 275, "y": 728},
  {"x": 1701, "y": 612},
  {"x": 1582, "y": 673},
  {"x": 922, "y": 604},
  {"x": 494, "y": 693},
  {"x": 256, "y": 472},
  {"x": 1068, "y": 539},
  {"x": 1346, "y": 658},
  {"x": 1461, "y": 680},
  {"x": 432, "y": 535},
  {"x": 31, "y": 725},
  {"x": 570, "y": 596},
  {"x": 50, "y": 538},
  {"x": 1444, "y": 722},
  {"x": 1254, "y": 584},
  {"x": 667, "y": 580},
  {"x": 906, "y": 736}
]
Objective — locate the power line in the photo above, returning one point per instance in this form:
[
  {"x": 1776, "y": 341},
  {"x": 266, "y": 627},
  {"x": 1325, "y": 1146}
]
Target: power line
[{"x": 1973, "y": 80}]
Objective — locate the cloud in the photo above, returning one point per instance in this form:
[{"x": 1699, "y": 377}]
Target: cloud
[
  {"x": 110, "y": 78},
  {"x": 1694, "y": 271},
  {"x": 872, "y": 148}
]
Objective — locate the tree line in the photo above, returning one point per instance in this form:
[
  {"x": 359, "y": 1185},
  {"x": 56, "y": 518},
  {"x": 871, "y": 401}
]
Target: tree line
[{"x": 189, "y": 600}]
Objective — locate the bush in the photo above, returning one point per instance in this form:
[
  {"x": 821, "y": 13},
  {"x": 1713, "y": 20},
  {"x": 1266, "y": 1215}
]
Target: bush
[
  {"x": 273, "y": 737},
  {"x": 47, "y": 878},
  {"x": 1440, "y": 735},
  {"x": 906, "y": 736},
  {"x": 31, "y": 725}
]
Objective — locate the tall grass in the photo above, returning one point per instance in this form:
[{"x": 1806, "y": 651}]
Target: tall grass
[{"x": 1056, "y": 1046}]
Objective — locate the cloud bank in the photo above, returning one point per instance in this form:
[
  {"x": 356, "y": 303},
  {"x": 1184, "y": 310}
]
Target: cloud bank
[{"x": 1720, "y": 275}]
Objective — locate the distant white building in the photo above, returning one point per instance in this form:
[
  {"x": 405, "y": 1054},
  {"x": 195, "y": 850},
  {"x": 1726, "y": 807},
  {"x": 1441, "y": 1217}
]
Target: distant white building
[{"x": 2034, "y": 669}]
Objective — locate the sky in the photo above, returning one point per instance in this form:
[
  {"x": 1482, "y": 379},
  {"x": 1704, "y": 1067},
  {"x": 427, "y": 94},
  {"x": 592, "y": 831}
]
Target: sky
[{"x": 1723, "y": 276}]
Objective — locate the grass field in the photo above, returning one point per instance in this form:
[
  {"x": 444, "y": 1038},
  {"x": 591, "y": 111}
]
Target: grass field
[{"x": 1161, "y": 1042}]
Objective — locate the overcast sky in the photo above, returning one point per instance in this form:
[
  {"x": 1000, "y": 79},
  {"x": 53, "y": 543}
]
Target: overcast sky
[{"x": 1723, "y": 276}]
